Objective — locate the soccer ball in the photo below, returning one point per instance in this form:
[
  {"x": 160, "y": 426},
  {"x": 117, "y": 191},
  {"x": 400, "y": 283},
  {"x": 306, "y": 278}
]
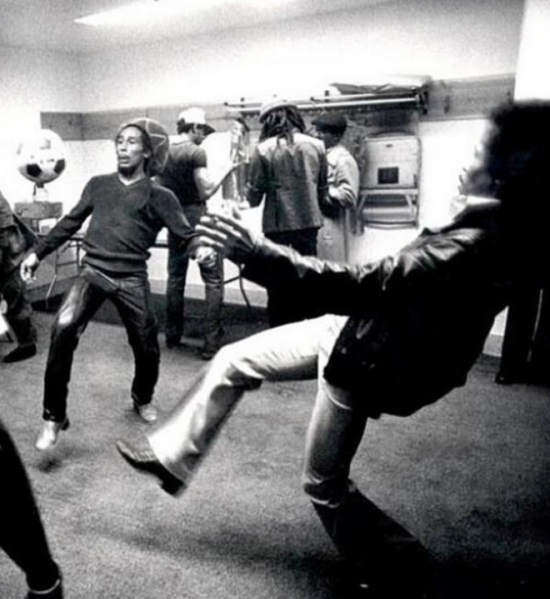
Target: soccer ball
[{"x": 41, "y": 157}]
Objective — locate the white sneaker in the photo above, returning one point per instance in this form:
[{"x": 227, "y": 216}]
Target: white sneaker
[
  {"x": 49, "y": 434},
  {"x": 147, "y": 412}
]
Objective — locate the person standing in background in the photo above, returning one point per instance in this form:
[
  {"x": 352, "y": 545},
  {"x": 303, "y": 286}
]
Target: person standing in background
[
  {"x": 15, "y": 240},
  {"x": 289, "y": 169},
  {"x": 343, "y": 188},
  {"x": 186, "y": 175}
]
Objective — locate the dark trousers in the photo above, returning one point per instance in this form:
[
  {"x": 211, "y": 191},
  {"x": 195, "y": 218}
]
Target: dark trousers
[
  {"x": 540, "y": 355},
  {"x": 131, "y": 297},
  {"x": 526, "y": 344},
  {"x": 19, "y": 310},
  {"x": 22, "y": 534},
  {"x": 212, "y": 276},
  {"x": 282, "y": 306}
]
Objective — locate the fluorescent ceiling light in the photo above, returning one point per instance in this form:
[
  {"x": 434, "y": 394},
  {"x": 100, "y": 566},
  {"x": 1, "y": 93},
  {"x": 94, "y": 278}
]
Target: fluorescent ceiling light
[{"x": 160, "y": 10}]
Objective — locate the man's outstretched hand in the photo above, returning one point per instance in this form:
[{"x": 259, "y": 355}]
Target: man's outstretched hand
[
  {"x": 28, "y": 267},
  {"x": 228, "y": 235}
]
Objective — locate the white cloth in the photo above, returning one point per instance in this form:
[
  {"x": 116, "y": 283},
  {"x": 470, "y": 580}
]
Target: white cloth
[{"x": 343, "y": 189}]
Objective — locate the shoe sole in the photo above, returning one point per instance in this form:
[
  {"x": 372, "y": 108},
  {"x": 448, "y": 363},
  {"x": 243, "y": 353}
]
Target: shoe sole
[
  {"x": 173, "y": 486},
  {"x": 21, "y": 358}
]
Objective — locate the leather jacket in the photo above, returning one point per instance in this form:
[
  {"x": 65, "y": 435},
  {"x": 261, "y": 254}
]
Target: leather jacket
[
  {"x": 293, "y": 180},
  {"x": 15, "y": 238},
  {"x": 417, "y": 320}
]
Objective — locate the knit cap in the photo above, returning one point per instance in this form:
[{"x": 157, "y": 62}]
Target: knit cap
[{"x": 157, "y": 141}]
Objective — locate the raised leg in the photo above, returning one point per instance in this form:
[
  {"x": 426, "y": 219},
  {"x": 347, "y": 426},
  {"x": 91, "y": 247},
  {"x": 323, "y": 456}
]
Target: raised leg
[{"x": 290, "y": 352}]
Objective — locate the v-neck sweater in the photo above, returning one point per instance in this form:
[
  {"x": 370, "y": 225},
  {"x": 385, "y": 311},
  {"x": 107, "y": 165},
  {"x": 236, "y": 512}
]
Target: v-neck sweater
[{"x": 124, "y": 223}]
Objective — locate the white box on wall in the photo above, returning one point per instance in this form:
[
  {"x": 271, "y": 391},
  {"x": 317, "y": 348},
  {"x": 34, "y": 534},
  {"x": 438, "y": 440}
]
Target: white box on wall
[
  {"x": 389, "y": 181},
  {"x": 391, "y": 162}
]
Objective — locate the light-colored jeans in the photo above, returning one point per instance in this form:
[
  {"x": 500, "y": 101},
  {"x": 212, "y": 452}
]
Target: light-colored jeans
[
  {"x": 370, "y": 540},
  {"x": 297, "y": 351}
]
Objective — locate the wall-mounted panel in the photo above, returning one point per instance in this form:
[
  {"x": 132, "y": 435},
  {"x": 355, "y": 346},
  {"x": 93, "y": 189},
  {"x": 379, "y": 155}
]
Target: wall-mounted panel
[
  {"x": 468, "y": 98},
  {"x": 66, "y": 124},
  {"x": 105, "y": 125}
]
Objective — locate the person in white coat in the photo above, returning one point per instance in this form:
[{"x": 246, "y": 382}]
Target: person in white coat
[{"x": 343, "y": 189}]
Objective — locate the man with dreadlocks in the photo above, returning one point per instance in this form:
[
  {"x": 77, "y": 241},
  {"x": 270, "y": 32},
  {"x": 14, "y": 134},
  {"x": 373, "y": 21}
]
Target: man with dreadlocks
[{"x": 289, "y": 169}]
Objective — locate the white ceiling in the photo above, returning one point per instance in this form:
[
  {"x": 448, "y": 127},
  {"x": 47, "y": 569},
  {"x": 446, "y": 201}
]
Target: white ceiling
[{"x": 49, "y": 24}]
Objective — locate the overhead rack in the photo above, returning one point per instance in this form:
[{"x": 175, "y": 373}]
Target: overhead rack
[{"x": 415, "y": 97}]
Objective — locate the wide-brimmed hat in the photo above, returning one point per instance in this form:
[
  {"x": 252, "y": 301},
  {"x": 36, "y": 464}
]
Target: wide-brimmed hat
[
  {"x": 158, "y": 141},
  {"x": 195, "y": 116},
  {"x": 274, "y": 105}
]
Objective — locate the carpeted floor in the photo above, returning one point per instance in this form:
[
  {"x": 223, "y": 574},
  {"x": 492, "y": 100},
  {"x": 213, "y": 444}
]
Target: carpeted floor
[{"x": 470, "y": 476}]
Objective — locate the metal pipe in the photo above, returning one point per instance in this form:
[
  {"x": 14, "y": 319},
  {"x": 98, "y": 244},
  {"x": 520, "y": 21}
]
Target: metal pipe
[
  {"x": 364, "y": 96},
  {"x": 319, "y": 106}
]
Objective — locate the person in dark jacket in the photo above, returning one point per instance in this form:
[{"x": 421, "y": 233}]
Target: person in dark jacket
[
  {"x": 22, "y": 534},
  {"x": 127, "y": 212},
  {"x": 374, "y": 339},
  {"x": 15, "y": 241},
  {"x": 288, "y": 173}
]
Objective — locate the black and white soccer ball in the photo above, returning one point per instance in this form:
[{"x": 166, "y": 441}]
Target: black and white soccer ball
[{"x": 41, "y": 157}]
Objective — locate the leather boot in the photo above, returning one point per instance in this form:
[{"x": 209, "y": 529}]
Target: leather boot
[{"x": 142, "y": 459}]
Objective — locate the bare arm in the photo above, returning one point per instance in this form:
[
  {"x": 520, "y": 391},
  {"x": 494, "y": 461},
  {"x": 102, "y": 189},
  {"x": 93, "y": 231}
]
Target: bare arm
[{"x": 205, "y": 185}]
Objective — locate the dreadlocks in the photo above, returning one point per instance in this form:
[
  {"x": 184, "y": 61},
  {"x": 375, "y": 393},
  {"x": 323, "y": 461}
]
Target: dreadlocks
[{"x": 282, "y": 122}]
